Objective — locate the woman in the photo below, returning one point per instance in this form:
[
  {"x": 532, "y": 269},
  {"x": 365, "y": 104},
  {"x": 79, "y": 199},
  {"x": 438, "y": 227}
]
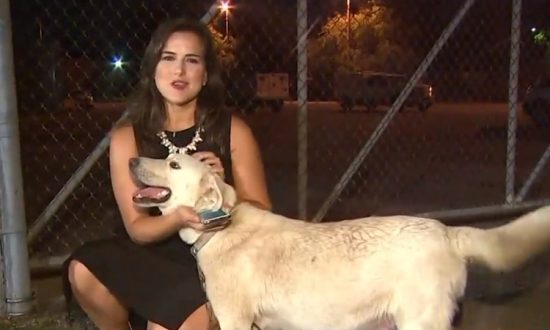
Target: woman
[{"x": 178, "y": 107}]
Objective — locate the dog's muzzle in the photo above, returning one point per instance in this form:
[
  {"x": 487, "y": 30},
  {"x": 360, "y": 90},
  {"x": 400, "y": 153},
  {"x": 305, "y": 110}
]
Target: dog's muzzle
[{"x": 147, "y": 194}]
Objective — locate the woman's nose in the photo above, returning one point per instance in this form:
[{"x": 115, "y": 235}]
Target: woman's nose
[{"x": 180, "y": 68}]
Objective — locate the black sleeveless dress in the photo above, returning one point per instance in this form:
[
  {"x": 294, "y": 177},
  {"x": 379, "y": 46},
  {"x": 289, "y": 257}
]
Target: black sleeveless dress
[{"x": 158, "y": 281}]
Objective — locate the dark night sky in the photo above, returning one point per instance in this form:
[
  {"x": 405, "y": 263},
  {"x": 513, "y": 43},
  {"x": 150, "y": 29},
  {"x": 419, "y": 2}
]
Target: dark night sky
[
  {"x": 89, "y": 19},
  {"x": 102, "y": 29},
  {"x": 48, "y": 31},
  {"x": 82, "y": 23}
]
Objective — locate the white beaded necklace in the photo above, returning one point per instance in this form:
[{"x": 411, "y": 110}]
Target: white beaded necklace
[{"x": 172, "y": 149}]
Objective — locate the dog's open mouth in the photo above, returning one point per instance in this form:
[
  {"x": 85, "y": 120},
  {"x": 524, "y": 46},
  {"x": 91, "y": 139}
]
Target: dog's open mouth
[{"x": 151, "y": 195}]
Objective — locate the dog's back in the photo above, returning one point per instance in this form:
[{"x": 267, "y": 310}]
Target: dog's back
[
  {"x": 338, "y": 275},
  {"x": 344, "y": 275},
  {"x": 297, "y": 275}
]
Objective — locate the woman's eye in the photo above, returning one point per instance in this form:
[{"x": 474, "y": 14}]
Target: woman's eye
[
  {"x": 167, "y": 58},
  {"x": 175, "y": 165},
  {"x": 192, "y": 60}
]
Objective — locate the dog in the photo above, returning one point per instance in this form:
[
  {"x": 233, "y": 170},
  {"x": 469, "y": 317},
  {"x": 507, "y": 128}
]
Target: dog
[{"x": 281, "y": 273}]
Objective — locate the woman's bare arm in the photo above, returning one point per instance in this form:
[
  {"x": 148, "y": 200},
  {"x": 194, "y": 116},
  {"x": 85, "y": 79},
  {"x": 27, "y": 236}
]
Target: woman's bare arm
[{"x": 248, "y": 170}]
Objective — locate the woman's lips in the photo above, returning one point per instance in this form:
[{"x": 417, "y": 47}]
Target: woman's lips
[{"x": 179, "y": 85}]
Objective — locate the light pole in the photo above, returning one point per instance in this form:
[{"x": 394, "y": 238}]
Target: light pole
[
  {"x": 225, "y": 8},
  {"x": 348, "y": 14}
]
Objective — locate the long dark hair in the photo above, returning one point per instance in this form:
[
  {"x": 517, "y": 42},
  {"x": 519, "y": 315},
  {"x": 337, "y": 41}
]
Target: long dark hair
[{"x": 146, "y": 109}]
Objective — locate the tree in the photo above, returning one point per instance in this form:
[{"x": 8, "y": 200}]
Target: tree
[
  {"x": 226, "y": 48},
  {"x": 370, "y": 44},
  {"x": 542, "y": 37}
]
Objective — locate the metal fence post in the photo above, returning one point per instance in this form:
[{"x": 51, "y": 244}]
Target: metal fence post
[
  {"x": 513, "y": 101},
  {"x": 13, "y": 226},
  {"x": 302, "y": 107}
]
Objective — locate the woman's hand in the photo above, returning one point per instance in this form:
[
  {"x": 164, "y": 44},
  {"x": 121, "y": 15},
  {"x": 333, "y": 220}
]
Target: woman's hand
[
  {"x": 190, "y": 219},
  {"x": 212, "y": 161},
  {"x": 187, "y": 217}
]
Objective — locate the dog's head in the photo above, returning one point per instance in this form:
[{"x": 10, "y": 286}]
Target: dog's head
[{"x": 179, "y": 180}]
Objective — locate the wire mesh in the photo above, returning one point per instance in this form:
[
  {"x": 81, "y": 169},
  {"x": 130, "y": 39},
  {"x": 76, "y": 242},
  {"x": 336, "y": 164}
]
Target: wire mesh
[
  {"x": 445, "y": 148},
  {"x": 76, "y": 62}
]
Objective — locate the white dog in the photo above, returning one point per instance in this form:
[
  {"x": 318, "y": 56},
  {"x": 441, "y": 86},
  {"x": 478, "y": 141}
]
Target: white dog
[{"x": 281, "y": 273}]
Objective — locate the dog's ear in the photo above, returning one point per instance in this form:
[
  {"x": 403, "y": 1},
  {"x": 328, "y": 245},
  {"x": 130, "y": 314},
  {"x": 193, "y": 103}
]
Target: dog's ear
[
  {"x": 214, "y": 193},
  {"x": 228, "y": 193}
]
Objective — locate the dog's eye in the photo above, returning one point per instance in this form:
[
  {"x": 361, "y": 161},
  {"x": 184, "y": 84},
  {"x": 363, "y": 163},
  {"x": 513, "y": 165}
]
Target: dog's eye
[{"x": 175, "y": 165}]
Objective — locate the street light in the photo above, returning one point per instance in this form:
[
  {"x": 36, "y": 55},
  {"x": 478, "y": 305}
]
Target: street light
[
  {"x": 348, "y": 14},
  {"x": 117, "y": 62},
  {"x": 225, "y": 9}
]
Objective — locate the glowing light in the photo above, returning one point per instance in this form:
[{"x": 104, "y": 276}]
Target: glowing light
[
  {"x": 118, "y": 63},
  {"x": 225, "y": 6}
]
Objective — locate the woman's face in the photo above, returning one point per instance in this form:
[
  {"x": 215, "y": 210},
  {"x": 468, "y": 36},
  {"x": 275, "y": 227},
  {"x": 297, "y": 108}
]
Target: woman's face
[{"x": 181, "y": 71}]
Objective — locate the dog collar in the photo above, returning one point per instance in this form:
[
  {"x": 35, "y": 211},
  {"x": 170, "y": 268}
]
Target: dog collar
[{"x": 201, "y": 242}]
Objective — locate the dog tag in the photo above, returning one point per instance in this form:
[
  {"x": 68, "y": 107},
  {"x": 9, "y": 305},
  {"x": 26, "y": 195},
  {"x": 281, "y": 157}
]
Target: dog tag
[{"x": 210, "y": 217}]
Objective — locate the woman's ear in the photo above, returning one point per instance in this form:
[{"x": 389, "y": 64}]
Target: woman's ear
[{"x": 205, "y": 79}]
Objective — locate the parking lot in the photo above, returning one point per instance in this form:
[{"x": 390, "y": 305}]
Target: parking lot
[{"x": 451, "y": 156}]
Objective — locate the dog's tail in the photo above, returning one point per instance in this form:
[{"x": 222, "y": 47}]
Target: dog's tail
[{"x": 506, "y": 247}]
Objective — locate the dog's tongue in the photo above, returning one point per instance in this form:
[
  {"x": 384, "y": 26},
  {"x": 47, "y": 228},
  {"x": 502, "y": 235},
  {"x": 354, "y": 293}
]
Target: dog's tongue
[{"x": 150, "y": 193}]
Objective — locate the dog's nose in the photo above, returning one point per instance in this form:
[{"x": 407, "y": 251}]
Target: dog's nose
[{"x": 134, "y": 162}]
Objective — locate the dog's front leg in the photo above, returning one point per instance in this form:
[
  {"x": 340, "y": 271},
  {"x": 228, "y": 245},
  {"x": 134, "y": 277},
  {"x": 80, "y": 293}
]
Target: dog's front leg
[
  {"x": 232, "y": 314},
  {"x": 231, "y": 307}
]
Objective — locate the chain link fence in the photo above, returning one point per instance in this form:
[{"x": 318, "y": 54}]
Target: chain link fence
[
  {"x": 360, "y": 107},
  {"x": 430, "y": 118}
]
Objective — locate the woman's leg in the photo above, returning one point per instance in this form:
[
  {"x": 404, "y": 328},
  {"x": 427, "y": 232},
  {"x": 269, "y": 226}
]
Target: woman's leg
[
  {"x": 95, "y": 299},
  {"x": 198, "y": 320}
]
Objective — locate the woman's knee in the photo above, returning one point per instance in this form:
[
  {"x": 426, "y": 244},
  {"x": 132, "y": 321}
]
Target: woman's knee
[
  {"x": 80, "y": 277},
  {"x": 198, "y": 320},
  {"x": 154, "y": 326}
]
